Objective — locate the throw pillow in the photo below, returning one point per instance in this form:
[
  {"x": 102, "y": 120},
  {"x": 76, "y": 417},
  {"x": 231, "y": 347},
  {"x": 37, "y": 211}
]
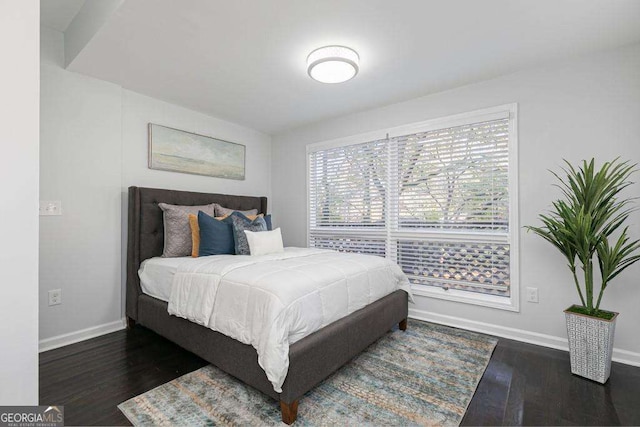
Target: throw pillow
[
  {"x": 195, "y": 235},
  {"x": 222, "y": 211},
  {"x": 265, "y": 242},
  {"x": 177, "y": 232},
  {"x": 241, "y": 224},
  {"x": 267, "y": 218},
  {"x": 216, "y": 236},
  {"x": 251, "y": 217}
]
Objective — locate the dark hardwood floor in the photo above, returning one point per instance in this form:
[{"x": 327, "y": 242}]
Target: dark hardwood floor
[{"x": 523, "y": 385}]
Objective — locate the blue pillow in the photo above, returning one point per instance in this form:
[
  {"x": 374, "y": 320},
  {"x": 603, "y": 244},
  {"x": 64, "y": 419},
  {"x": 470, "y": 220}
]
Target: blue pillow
[
  {"x": 216, "y": 236},
  {"x": 267, "y": 219}
]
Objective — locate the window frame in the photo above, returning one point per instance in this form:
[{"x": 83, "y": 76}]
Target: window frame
[{"x": 512, "y": 303}]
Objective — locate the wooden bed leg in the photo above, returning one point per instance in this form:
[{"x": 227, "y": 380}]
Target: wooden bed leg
[
  {"x": 130, "y": 323},
  {"x": 289, "y": 411},
  {"x": 403, "y": 325}
]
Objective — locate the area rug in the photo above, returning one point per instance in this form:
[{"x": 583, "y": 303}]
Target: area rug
[{"x": 424, "y": 376}]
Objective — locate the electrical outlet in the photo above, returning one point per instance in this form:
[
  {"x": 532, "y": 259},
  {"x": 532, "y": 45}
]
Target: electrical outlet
[
  {"x": 55, "y": 296},
  {"x": 532, "y": 295},
  {"x": 51, "y": 207}
]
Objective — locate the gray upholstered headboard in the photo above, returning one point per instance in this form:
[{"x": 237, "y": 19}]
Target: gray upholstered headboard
[{"x": 146, "y": 228}]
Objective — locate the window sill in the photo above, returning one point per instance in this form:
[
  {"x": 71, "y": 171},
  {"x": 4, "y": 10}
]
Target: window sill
[{"x": 491, "y": 301}]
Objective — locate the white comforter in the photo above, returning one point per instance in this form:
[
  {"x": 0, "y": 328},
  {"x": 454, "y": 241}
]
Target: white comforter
[{"x": 272, "y": 301}]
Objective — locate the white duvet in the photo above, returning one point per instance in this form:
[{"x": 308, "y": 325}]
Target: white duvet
[{"x": 272, "y": 301}]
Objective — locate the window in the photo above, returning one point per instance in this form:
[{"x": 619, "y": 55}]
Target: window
[
  {"x": 438, "y": 197},
  {"x": 348, "y": 194}
]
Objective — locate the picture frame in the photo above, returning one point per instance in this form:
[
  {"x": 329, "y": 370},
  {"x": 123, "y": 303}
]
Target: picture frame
[{"x": 175, "y": 150}]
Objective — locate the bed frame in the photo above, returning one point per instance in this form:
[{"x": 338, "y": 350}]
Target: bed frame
[{"x": 311, "y": 360}]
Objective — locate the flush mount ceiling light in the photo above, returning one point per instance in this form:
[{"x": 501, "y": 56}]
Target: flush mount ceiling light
[{"x": 333, "y": 64}]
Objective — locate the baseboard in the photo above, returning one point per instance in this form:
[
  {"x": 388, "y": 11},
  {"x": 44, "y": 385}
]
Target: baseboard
[
  {"x": 619, "y": 355},
  {"x": 81, "y": 335}
]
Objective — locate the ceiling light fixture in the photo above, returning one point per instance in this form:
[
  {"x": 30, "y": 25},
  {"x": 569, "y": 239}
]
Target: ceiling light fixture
[{"x": 333, "y": 64}]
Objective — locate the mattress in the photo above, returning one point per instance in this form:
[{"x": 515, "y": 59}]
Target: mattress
[{"x": 156, "y": 276}]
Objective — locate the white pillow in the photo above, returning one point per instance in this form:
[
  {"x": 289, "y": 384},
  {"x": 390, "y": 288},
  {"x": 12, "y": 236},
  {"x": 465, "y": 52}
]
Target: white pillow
[{"x": 265, "y": 242}]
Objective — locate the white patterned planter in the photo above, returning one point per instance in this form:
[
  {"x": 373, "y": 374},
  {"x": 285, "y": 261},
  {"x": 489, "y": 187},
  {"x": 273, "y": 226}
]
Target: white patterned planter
[{"x": 590, "y": 345}]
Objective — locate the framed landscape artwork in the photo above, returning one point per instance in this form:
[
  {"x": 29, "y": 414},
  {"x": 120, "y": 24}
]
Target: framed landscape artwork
[{"x": 179, "y": 151}]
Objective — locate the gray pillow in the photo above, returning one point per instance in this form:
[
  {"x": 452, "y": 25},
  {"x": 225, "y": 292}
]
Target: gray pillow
[
  {"x": 222, "y": 211},
  {"x": 239, "y": 225},
  {"x": 177, "y": 232}
]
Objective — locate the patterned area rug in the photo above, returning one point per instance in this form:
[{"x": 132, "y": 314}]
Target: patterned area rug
[{"x": 426, "y": 376}]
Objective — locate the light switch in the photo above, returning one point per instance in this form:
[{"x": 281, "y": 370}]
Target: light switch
[{"x": 50, "y": 207}]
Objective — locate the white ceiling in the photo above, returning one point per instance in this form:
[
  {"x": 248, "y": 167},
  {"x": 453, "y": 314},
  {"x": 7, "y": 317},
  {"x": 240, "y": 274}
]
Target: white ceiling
[
  {"x": 244, "y": 60},
  {"x": 58, "y": 14}
]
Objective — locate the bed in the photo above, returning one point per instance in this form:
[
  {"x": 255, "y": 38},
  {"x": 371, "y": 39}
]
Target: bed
[{"x": 311, "y": 359}]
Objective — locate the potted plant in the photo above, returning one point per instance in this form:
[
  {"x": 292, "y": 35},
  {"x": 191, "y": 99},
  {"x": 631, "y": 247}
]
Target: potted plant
[{"x": 581, "y": 225}]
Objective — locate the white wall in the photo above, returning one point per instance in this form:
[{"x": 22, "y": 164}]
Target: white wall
[
  {"x": 80, "y": 165},
  {"x": 577, "y": 109},
  {"x": 138, "y": 110},
  {"x": 94, "y": 146},
  {"x": 19, "y": 86}
]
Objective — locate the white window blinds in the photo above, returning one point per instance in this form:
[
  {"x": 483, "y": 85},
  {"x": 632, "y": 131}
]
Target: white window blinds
[
  {"x": 454, "y": 178},
  {"x": 347, "y": 198},
  {"x": 435, "y": 201}
]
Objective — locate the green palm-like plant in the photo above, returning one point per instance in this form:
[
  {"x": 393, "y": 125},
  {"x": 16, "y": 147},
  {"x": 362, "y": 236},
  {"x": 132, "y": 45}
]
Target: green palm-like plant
[{"x": 581, "y": 225}]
